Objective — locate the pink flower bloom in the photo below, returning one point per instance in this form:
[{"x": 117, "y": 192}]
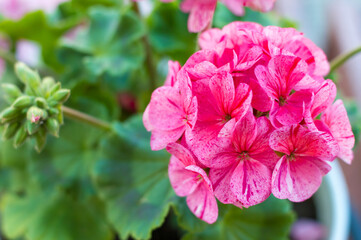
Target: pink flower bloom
[
  {"x": 282, "y": 76},
  {"x": 242, "y": 170},
  {"x": 221, "y": 105},
  {"x": 190, "y": 180},
  {"x": 338, "y": 124},
  {"x": 171, "y": 112},
  {"x": 298, "y": 174}
]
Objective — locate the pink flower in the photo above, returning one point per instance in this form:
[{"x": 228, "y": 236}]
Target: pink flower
[
  {"x": 171, "y": 112},
  {"x": 242, "y": 170},
  {"x": 298, "y": 173},
  {"x": 173, "y": 69},
  {"x": 337, "y": 123},
  {"x": 282, "y": 76},
  {"x": 190, "y": 180},
  {"x": 221, "y": 105}
]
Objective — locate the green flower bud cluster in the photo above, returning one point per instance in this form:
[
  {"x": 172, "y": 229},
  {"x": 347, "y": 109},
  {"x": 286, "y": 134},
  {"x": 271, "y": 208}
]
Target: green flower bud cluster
[{"x": 34, "y": 112}]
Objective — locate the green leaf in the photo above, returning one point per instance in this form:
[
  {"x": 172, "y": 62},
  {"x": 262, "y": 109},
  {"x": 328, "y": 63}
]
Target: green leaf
[
  {"x": 133, "y": 181},
  {"x": 45, "y": 34},
  {"x": 52, "y": 216},
  {"x": 270, "y": 220},
  {"x": 169, "y": 33},
  {"x": 109, "y": 49}
]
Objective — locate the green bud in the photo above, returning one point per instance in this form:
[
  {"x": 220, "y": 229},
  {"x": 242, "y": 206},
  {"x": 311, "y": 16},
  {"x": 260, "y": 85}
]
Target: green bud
[
  {"x": 40, "y": 140},
  {"x": 36, "y": 114},
  {"x": 28, "y": 76},
  {"x": 55, "y": 88},
  {"x": 53, "y": 111},
  {"x": 53, "y": 126},
  {"x": 41, "y": 102},
  {"x": 10, "y": 130},
  {"x": 20, "y": 136},
  {"x": 32, "y": 127},
  {"x": 23, "y": 102},
  {"x": 60, "y": 96},
  {"x": 11, "y": 91},
  {"x": 10, "y": 113},
  {"x": 46, "y": 85}
]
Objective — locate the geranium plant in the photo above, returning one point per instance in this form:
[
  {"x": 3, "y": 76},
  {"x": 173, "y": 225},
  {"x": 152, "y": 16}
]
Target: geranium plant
[{"x": 165, "y": 119}]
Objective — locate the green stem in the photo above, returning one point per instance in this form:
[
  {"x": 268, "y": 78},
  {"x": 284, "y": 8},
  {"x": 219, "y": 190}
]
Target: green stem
[
  {"x": 148, "y": 55},
  {"x": 341, "y": 59},
  {"x": 8, "y": 57},
  {"x": 82, "y": 117}
]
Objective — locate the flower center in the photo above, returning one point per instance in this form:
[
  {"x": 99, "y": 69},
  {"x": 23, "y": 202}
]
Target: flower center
[
  {"x": 281, "y": 101},
  {"x": 243, "y": 156}
]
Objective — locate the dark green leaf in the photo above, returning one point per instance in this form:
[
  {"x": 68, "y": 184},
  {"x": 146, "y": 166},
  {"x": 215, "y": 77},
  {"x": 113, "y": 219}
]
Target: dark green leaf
[
  {"x": 133, "y": 181},
  {"x": 270, "y": 220},
  {"x": 169, "y": 33}
]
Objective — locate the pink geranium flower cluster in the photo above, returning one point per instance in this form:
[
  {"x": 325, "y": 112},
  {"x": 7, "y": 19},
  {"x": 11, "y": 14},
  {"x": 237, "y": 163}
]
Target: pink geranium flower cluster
[
  {"x": 248, "y": 115},
  {"x": 201, "y": 11}
]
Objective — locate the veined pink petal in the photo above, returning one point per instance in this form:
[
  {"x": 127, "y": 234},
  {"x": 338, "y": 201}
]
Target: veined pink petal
[
  {"x": 335, "y": 117},
  {"x": 296, "y": 180},
  {"x": 293, "y": 110},
  {"x": 203, "y": 204},
  {"x": 220, "y": 179},
  {"x": 260, "y": 149},
  {"x": 222, "y": 88},
  {"x": 248, "y": 60},
  {"x": 251, "y": 182},
  {"x": 245, "y": 133},
  {"x": 324, "y": 97},
  {"x": 183, "y": 181},
  {"x": 181, "y": 153}
]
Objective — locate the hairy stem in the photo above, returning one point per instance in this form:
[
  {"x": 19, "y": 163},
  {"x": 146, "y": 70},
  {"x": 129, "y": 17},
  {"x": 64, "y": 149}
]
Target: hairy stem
[
  {"x": 342, "y": 58},
  {"x": 85, "y": 118}
]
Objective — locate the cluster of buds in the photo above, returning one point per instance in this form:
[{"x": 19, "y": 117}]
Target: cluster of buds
[
  {"x": 249, "y": 115},
  {"x": 34, "y": 112}
]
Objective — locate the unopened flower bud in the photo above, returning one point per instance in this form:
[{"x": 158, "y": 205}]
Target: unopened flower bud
[
  {"x": 60, "y": 96},
  {"x": 10, "y": 130},
  {"x": 35, "y": 114},
  {"x": 11, "y": 92},
  {"x": 46, "y": 85},
  {"x": 53, "y": 126},
  {"x": 41, "y": 102},
  {"x": 20, "y": 136},
  {"x": 28, "y": 76},
  {"x": 23, "y": 102},
  {"x": 9, "y": 113},
  {"x": 40, "y": 139}
]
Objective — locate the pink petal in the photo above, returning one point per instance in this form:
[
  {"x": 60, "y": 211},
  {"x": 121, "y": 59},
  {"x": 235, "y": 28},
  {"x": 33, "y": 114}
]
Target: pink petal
[
  {"x": 181, "y": 153},
  {"x": 165, "y": 109},
  {"x": 203, "y": 204},
  {"x": 242, "y": 100},
  {"x": 201, "y": 15},
  {"x": 184, "y": 182},
  {"x": 146, "y": 120},
  {"x": 173, "y": 69},
  {"x": 260, "y": 5},
  {"x": 248, "y": 60},
  {"x": 323, "y": 98},
  {"x": 236, "y": 6},
  {"x": 335, "y": 117},
  {"x": 245, "y": 133},
  {"x": 251, "y": 182},
  {"x": 211, "y": 38},
  {"x": 221, "y": 179},
  {"x": 161, "y": 138},
  {"x": 295, "y": 180},
  {"x": 222, "y": 88}
]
